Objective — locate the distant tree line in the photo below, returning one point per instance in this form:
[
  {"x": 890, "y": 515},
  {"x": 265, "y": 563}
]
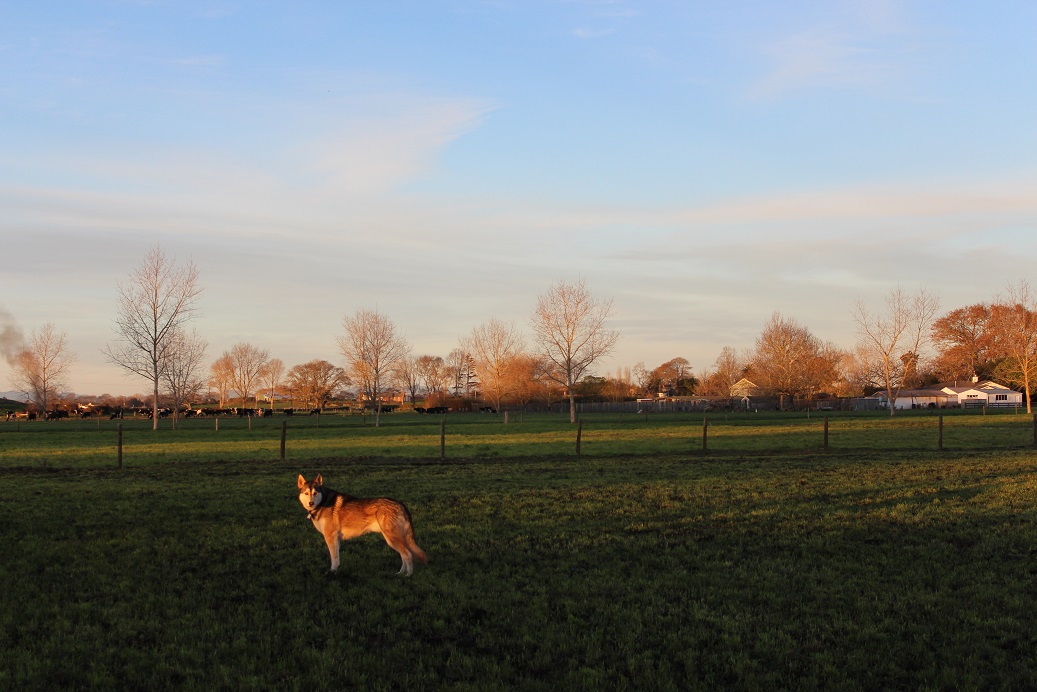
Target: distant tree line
[{"x": 906, "y": 344}]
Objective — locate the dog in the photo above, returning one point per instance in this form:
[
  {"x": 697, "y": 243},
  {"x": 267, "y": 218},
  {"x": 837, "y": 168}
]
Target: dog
[{"x": 340, "y": 517}]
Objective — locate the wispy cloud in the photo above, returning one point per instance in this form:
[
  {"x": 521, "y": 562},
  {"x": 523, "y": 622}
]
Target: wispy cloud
[
  {"x": 306, "y": 187},
  {"x": 819, "y": 58},
  {"x": 373, "y": 155}
]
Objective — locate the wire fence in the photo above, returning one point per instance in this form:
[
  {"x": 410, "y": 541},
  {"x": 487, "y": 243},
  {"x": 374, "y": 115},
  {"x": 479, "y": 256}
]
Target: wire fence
[{"x": 502, "y": 436}]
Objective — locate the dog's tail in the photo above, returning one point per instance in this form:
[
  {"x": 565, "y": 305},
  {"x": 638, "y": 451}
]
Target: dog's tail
[{"x": 415, "y": 549}]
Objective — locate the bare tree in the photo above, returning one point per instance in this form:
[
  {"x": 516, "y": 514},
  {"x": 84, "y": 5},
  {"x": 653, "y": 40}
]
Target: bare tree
[
  {"x": 460, "y": 369},
  {"x": 271, "y": 376},
  {"x": 644, "y": 380},
  {"x": 570, "y": 327},
  {"x": 371, "y": 347},
  {"x": 432, "y": 370},
  {"x": 408, "y": 375},
  {"x": 728, "y": 368},
  {"x": 790, "y": 361},
  {"x": 1013, "y": 321},
  {"x": 316, "y": 380},
  {"x": 41, "y": 366},
  {"x": 156, "y": 301},
  {"x": 902, "y": 330},
  {"x": 221, "y": 377},
  {"x": 494, "y": 345},
  {"x": 248, "y": 362},
  {"x": 180, "y": 371}
]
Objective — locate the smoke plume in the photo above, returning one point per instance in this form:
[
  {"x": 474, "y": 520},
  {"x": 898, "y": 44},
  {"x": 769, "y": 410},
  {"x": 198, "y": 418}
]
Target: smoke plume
[{"x": 11, "y": 340}]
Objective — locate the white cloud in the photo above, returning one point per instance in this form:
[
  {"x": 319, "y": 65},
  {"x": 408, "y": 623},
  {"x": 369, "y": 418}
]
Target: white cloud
[{"x": 372, "y": 155}]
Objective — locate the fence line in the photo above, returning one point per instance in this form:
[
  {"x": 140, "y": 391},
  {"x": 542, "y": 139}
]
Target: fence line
[{"x": 733, "y": 433}]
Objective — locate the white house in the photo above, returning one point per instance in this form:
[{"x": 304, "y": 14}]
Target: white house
[{"x": 985, "y": 393}]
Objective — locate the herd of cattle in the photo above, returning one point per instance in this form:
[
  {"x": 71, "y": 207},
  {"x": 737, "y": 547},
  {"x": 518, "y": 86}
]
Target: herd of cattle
[{"x": 114, "y": 412}]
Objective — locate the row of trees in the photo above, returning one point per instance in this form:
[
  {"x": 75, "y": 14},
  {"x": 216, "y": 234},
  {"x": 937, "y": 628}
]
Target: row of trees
[
  {"x": 903, "y": 345},
  {"x": 906, "y": 345},
  {"x": 154, "y": 342}
]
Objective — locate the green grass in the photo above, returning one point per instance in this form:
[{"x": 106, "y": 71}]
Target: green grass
[
  {"x": 90, "y": 444},
  {"x": 862, "y": 569}
]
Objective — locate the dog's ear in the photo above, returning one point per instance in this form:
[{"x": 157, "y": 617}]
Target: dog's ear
[
  {"x": 318, "y": 480},
  {"x": 302, "y": 481}
]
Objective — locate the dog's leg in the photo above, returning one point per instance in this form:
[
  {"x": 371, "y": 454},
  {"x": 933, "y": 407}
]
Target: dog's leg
[
  {"x": 399, "y": 544},
  {"x": 333, "y": 542}
]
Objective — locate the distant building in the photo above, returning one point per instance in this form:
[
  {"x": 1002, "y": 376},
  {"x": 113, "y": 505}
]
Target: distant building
[
  {"x": 952, "y": 395},
  {"x": 744, "y": 388}
]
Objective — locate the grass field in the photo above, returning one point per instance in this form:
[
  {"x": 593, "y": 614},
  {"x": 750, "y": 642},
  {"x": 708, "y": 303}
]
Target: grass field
[
  {"x": 872, "y": 565},
  {"x": 93, "y": 443}
]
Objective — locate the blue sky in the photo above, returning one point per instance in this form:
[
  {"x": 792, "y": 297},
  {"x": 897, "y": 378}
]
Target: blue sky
[{"x": 702, "y": 164}]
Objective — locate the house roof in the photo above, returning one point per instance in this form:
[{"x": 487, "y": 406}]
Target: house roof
[
  {"x": 932, "y": 393},
  {"x": 982, "y": 385}
]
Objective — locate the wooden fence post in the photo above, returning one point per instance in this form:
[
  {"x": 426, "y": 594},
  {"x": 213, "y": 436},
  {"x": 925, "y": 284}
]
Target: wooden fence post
[
  {"x": 284, "y": 434},
  {"x": 1035, "y": 430},
  {"x": 705, "y": 433},
  {"x": 442, "y": 439},
  {"x": 826, "y": 432},
  {"x": 579, "y": 435},
  {"x": 119, "y": 428},
  {"x": 939, "y": 444}
]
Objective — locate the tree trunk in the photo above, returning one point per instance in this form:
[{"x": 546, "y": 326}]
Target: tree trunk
[{"x": 154, "y": 403}]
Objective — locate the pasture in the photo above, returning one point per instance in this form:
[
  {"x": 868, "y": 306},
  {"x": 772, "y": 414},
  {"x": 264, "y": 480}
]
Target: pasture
[{"x": 645, "y": 562}]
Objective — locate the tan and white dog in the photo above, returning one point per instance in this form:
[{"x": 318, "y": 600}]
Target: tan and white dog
[{"x": 340, "y": 517}]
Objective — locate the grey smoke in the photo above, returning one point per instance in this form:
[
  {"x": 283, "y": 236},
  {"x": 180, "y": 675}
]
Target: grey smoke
[{"x": 11, "y": 340}]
